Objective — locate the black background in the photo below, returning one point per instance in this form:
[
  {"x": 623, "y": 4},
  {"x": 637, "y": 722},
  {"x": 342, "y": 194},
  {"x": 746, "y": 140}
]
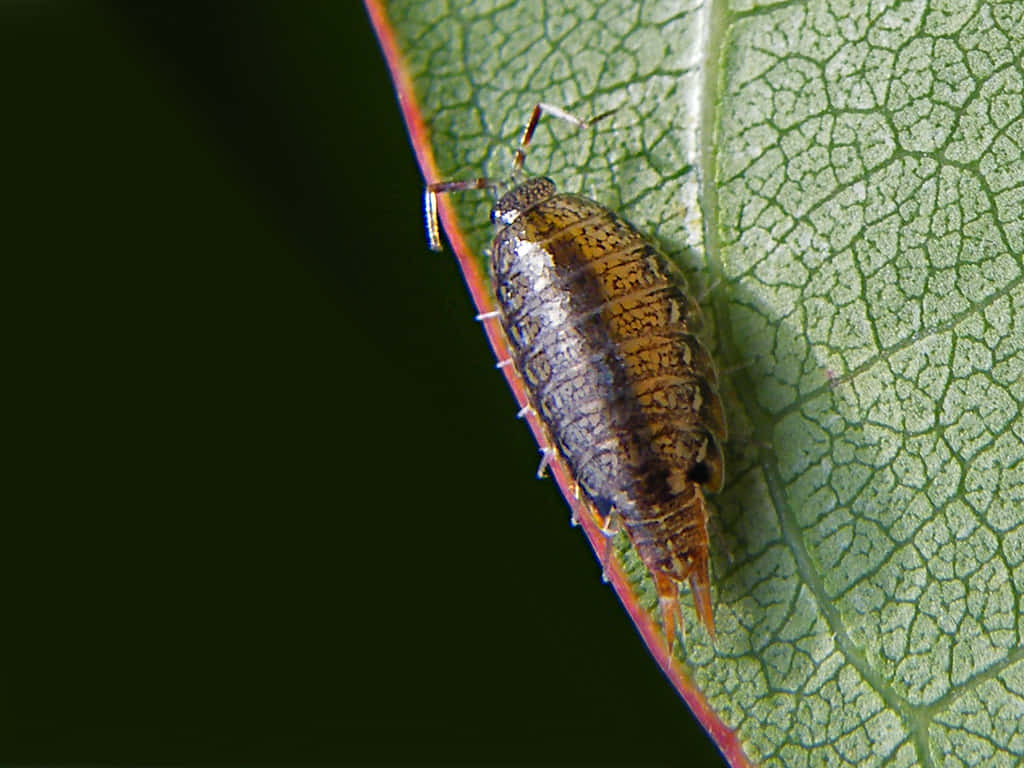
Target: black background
[{"x": 268, "y": 499}]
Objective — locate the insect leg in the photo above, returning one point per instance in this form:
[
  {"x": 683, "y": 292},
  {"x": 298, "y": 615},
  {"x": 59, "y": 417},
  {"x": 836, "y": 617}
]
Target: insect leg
[
  {"x": 736, "y": 368},
  {"x": 609, "y": 528},
  {"x": 707, "y": 290},
  {"x": 546, "y": 453},
  {"x": 525, "y": 411},
  {"x": 574, "y": 518}
]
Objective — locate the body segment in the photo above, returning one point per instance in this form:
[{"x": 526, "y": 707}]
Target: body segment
[{"x": 604, "y": 335}]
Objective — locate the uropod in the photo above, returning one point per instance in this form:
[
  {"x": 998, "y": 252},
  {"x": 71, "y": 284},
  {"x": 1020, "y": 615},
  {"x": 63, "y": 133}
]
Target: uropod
[{"x": 605, "y": 337}]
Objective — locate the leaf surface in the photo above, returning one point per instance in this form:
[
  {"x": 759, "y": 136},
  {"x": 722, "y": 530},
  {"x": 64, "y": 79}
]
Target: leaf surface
[{"x": 848, "y": 179}]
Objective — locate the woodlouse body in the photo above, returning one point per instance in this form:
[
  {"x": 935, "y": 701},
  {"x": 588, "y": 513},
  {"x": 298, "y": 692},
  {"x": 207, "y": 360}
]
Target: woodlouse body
[{"x": 604, "y": 335}]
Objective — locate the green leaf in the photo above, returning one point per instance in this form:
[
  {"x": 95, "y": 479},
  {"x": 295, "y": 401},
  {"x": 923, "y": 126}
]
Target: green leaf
[{"x": 849, "y": 179}]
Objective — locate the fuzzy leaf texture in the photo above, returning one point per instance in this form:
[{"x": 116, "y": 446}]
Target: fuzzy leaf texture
[{"x": 846, "y": 180}]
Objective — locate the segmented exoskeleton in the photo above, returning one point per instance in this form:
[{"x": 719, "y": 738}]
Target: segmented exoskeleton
[{"x": 604, "y": 335}]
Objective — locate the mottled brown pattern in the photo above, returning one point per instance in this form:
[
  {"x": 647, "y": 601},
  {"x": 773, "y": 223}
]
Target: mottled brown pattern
[{"x": 604, "y": 334}]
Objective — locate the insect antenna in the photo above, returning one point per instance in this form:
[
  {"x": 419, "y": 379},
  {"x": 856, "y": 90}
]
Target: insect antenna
[
  {"x": 442, "y": 188},
  {"x": 531, "y": 127}
]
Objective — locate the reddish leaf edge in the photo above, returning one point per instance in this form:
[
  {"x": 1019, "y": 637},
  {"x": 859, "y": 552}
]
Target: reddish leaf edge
[{"x": 646, "y": 623}]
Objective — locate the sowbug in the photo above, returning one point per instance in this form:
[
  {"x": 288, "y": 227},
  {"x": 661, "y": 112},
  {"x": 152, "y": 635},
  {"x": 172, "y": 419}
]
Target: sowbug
[{"x": 604, "y": 335}]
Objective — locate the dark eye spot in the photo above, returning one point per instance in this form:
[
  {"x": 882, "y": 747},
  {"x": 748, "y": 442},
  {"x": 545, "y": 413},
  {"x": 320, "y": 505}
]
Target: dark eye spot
[{"x": 700, "y": 473}]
